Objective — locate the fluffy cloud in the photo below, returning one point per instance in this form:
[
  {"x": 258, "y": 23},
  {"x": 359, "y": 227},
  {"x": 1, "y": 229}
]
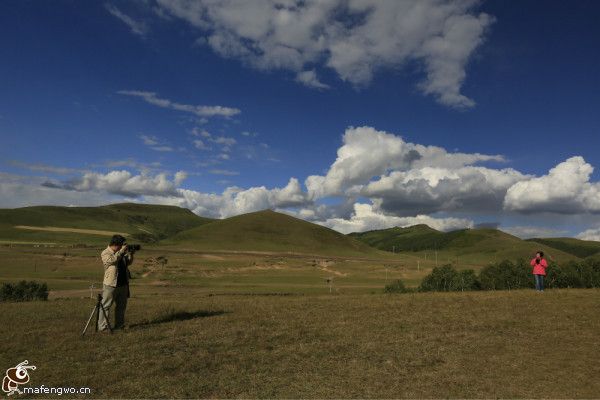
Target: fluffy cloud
[
  {"x": 116, "y": 186},
  {"x": 354, "y": 38},
  {"x": 234, "y": 200},
  {"x": 565, "y": 190},
  {"x": 309, "y": 78},
  {"x": 21, "y": 191},
  {"x": 431, "y": 189},
  {"x": 367, "y": 153},
  {"x": 123, "y": 183},
  {"x": 590, "y": 234},
  {"x": 201, "y": 111},
  {"x": 366, "y": 218}
]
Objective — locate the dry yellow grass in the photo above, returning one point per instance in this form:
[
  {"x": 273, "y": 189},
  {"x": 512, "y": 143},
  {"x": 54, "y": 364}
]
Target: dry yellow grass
[
  {"x": 249, "y": 325},
  {"x": 518, "y": 344}
]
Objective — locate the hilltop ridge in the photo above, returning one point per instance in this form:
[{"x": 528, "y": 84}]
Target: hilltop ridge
[{"x": 268, "y": 230}]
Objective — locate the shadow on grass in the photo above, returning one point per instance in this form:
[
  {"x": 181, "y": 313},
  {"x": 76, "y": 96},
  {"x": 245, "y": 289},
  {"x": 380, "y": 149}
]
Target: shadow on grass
[{"x": 178, "y": 316}]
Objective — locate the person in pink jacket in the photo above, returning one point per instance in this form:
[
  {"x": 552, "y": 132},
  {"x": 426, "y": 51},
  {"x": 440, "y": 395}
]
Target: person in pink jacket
[{"x": 539, "y": 265}]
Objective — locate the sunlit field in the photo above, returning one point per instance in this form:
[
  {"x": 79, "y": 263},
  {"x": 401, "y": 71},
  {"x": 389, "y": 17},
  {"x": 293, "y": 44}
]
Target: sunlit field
[{"x": 272, "y": 325}]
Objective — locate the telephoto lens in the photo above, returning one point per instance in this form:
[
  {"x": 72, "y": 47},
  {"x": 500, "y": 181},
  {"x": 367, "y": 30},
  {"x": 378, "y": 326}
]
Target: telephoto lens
[{"x": 134, "y": 247}]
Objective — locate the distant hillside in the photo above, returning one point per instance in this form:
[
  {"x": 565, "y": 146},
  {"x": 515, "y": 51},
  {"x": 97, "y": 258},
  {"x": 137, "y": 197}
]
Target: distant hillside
[
  {"x": 413, "y": 238},
  {"x": 269, "y": 231},
  {"x": 141, "y": 222},
  {"x": 577, "y": 247},
  {"x": 481, "y": 242}
]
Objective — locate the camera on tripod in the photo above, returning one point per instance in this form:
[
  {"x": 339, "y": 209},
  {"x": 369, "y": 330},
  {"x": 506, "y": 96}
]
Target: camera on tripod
[{"x": 132, "y": 248}]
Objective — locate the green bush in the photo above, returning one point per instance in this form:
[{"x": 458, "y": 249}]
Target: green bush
[
  {"x": 506, "y": 275},
  {"x": 24, "y": 291},
  {"x": 447, "y": 279},
  {"x": 573, "y": 274},
  {"x": 467, "y": 280},
  {"x": 396, "y": 287}
]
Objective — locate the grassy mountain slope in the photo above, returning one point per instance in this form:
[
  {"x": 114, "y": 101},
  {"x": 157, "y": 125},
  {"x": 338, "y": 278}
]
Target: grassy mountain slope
[
  {"x": 577, "y": 247},
  {"x": 269, "y": 231},
  {"x": 414, "y": 238},
  {"x": 140, "y": 222},
  {"x": 481, "y": 243}
]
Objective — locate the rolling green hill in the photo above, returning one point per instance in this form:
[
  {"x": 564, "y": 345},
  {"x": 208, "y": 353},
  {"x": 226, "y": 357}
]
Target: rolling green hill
[
  {"x": 481, "y": 243},
  {"x": 413, "y": 238},
  {"x": 577, "y": 247},
  {"x": 269, "y": 231},
  {"x": 141, "y": 222}
]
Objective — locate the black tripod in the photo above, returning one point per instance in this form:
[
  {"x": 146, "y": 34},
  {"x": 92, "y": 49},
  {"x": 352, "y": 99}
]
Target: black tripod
[{"x": 97, "y": 309}]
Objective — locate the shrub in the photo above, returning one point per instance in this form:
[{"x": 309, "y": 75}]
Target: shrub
[
  {"x": 447, "y": 279},
  {"x": 573, "y": 274},
  {"x": 467, "y": 280},
  {"x": 506, "y": 275},
  {"x": 396, "y": 287},
  {"x": 24, "y": 291}
]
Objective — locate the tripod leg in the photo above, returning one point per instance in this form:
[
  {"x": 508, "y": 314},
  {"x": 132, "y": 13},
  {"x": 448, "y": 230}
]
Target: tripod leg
[
  {"x": 97, "y": 315},
  {"x": 90, "y": 320}
]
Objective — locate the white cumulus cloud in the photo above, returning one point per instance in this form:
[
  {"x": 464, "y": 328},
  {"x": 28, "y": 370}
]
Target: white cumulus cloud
[
  {"x": 366, "y": 218},
  {"x": 354, "y": 38},
  {"x": 432, "y": 189},
  {"x": 566, "y": 189},
  {"x": 590, "y": 234},
  {"x": 367, "y": 153},
  {"x": 234, "y": 200},
  {"x": 123, "y": 183}
]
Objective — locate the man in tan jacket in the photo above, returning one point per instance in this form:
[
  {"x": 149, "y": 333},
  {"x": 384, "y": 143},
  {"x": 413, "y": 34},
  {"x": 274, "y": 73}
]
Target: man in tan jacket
[{"x": 116, "y": 260}]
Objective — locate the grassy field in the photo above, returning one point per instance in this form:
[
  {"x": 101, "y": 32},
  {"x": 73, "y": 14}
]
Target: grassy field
[
  {"x": 71, "y": 271},
  {"x": 468, "y": 345}
]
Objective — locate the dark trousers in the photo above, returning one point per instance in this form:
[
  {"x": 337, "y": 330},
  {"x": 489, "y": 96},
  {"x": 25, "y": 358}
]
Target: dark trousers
[{"x": 539, "y": 282}]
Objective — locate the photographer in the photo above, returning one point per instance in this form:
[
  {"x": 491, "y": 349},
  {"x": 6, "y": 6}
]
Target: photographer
[
  {"x": 539, "y": 265},
  {"x": 116, "y": 259}
]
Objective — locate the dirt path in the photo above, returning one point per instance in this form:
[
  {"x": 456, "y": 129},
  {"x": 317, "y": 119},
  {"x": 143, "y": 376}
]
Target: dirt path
[
  {"x": 324, "y": 266},
  {"x": 72, "y": 230}
]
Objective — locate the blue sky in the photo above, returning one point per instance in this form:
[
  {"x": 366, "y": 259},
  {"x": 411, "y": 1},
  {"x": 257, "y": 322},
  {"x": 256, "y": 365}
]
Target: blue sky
[{"x": 244, "y": 101}]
